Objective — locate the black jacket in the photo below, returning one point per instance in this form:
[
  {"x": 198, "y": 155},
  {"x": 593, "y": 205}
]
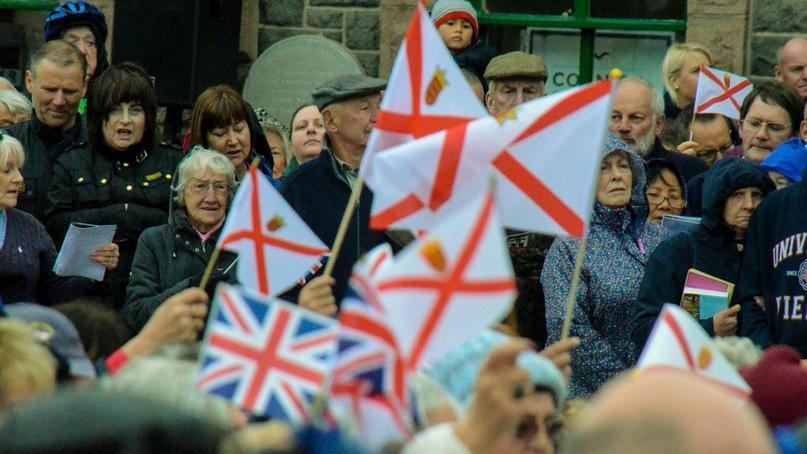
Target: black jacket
[
  {"x": 775, "y": 267},
  {"x": 710, "y": 248},
  {"x": 95, "y": 187},
  {"x": 689, "y": 166},
  {"x": 475, "y": 58},
  {"x": 320, "y": 196},
  {"x": 170, "y": 258},
  {"x": 43, "y": 146}
]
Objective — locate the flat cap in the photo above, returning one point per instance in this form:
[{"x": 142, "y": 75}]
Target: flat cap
[
  {"x": 342, "y": 88},
  {"x": 516, "y": 64}
]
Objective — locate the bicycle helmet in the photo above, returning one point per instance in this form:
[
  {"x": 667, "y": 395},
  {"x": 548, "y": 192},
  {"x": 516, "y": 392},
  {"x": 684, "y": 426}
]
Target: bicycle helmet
[{"x": 75, "y": 14}]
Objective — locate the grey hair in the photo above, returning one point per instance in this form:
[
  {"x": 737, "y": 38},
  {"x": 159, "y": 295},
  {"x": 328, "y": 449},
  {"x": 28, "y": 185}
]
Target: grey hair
[
  {"x": 4, "y": 80},
  {"x": 199, "y": 161},
  {"x": 11, "y": 148},
  {"x": 172, "y": 382},
  {"x": 657, "y": 101},
  {"x": 15, "y": 102}
]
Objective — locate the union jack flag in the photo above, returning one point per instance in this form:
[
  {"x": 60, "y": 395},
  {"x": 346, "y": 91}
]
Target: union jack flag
[
  {"x": 267, "y": 356},
  {"x": 370, "y": 377}
]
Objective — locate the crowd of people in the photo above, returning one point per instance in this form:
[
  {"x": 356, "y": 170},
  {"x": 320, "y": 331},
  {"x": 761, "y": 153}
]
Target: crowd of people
[{"x": 109, "y": 365}]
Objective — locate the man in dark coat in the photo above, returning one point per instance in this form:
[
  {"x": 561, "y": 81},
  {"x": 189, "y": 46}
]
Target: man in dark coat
[
  {"x": 56, "y": 83},
  {"x": 638, "y": 117},
  {"x": 319, "y": 189},
  {"x": 714, "y": 247}
]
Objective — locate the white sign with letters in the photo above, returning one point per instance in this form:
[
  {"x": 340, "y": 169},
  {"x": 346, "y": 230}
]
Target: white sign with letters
[{"x": 636, "y": 54}]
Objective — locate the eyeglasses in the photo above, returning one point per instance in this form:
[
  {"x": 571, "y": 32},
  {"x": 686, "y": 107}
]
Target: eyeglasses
[
  {"x": 710, "y": 153},
  {"x": 202, "y": 188},
  {"x": 89, "y": 43},
  {"x": 658, "y": 199},
  {"x": 774, "y": 129}
]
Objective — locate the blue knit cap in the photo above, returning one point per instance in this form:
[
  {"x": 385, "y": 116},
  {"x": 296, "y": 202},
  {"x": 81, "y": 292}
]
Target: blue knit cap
[
  {"x": 789, "y": 159},
  {"x": 457, "y": 371}
]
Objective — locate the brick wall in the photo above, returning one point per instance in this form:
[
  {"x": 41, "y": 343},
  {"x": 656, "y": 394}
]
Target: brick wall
[{"x": 354, "y": 23}]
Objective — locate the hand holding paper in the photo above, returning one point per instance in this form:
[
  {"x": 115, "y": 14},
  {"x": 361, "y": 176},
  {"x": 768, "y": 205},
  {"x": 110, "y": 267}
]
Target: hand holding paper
[{"x": 86, "y": 251}]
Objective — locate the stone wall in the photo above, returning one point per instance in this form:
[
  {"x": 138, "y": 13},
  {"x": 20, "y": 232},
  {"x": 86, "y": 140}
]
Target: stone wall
[
  {"x": 354, "y": 23},
  {"x": 772, "y": 24},
  {"x": 721, "y": 26}
]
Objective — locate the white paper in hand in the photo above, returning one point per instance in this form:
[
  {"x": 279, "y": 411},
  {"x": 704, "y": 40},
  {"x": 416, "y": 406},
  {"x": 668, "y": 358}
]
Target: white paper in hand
[{"x": 79, "y": 243}]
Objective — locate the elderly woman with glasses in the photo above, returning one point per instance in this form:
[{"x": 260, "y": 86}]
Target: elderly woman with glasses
[
  {"x": 666, "y": 190},
  {"x": 172, "y": 257},
  {"x": 731, "y": 193}
]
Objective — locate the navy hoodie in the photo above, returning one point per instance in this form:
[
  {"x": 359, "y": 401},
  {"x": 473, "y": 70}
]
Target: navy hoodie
[
  {"x": 775, "y": 267},
  {"x": 711, "y": 248}
]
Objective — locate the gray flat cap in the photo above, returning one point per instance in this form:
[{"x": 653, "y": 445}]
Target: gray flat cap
[
  {"x": 516, "y": 64},
  {"x": 346, "y": 87}
]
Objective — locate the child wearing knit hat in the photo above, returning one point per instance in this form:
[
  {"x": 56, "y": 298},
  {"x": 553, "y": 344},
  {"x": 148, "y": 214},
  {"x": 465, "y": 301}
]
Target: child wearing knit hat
[
  {"x": 458, "y": 27},
  {"x": 456, "y": 22}
]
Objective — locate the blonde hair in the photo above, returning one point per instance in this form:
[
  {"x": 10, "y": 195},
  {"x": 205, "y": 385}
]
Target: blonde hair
[
  {"x": 11, "y": 148},
  {"x": 23, "y": 359},
  {"x": 674, "y": 62}
]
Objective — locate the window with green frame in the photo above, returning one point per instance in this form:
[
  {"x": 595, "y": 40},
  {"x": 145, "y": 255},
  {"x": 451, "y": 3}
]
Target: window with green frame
[{"x": 506, "y": 20}]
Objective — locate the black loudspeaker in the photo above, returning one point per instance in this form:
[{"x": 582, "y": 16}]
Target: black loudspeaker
[{"x": 187, "y": 45}]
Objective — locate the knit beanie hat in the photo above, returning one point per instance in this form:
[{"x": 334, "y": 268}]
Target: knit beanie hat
[
  {"x": 457, "y": 371},
  {"x": 779, "y": 386},
  {"x": 446, "y": 10}
]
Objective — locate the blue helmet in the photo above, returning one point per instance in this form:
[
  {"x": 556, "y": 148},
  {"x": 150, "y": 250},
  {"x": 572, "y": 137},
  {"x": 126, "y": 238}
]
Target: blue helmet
[{"x": 74, "y": 14}]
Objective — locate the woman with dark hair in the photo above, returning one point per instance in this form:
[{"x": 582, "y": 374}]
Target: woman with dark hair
[
  {"x": 731, "y": 193},
  {"x": 666, "y": 190},
  {"x": 223, "y": 121},
  {"x": 123, "y": 175}
]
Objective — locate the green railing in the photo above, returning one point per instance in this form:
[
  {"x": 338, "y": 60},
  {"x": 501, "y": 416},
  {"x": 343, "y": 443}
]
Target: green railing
[
  {"x": 30, "y": 5},
  {"x": 580, "y": 20}
]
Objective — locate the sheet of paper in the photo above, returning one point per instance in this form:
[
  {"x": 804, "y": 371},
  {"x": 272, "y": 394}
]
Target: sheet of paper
[{"x": 79, "y": 243}]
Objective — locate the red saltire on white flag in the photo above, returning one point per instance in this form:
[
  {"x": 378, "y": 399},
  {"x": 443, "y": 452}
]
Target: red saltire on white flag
[
  {"x": 426, "y": 92},
  {"x": 369, "y": 378},
  {"x": 679, "y": 344},
  {"x": 721, "y": 92},
  {"x": 448, "y": 284},
  {"x": 275, "y": 247},
  {"x": 544, "y": 153}
]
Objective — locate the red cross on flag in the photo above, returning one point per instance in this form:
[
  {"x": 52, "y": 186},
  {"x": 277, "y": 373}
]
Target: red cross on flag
[
  {"x": 678, "y": 344},
  {"x": 721, "y": 92},
  {"x": 448, "y": 285},
  {"x": 426, "y": 93},
  {"x": 545, "y": 154},
  {"x": 275, "y": 247}
]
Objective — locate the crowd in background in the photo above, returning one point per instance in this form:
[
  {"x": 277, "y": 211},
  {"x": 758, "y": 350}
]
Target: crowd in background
[{"x": 109, "y": 366}]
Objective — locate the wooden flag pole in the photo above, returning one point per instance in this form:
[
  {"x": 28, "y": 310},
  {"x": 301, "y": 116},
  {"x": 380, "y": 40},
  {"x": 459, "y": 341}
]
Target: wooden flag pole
[
  {"x": 571, "y": 299},
  {"x": 346, "y": 217},
  {"x": 692, "y": 123},
  {"x": 217, "y": 250}
]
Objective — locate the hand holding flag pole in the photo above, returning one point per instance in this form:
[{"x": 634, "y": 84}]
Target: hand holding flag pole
[{"x": 211, "y": 264}]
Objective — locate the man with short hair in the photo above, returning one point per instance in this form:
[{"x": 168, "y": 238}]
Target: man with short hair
[
  {"x": 319, "y": 190},
  {"x": 791, "y": 66},
  {"x": 638, "y": 116},
  {"x": 56, "y": 83},
  {"x": 770, "y": 115},
  {"x": 514, "y": 78},
  {"x": 711, "y": 136}
]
